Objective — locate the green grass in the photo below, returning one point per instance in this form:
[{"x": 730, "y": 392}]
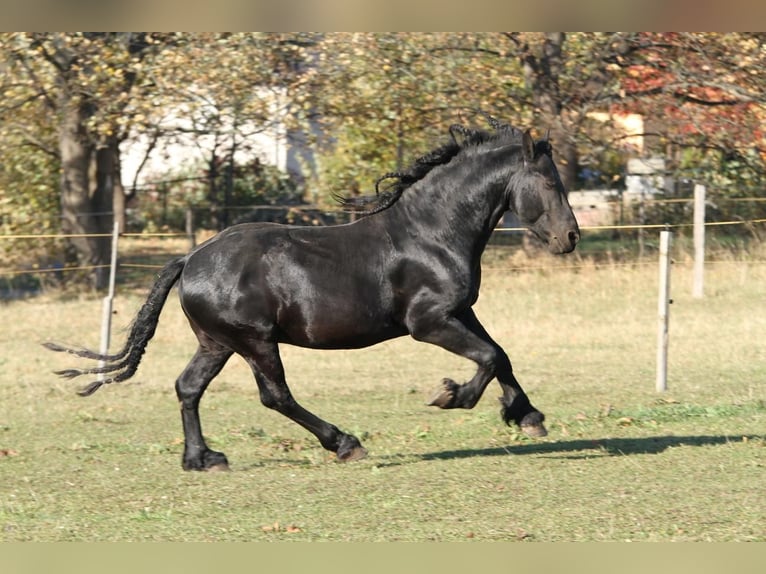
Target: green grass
[{"x": 622, "y": 462}]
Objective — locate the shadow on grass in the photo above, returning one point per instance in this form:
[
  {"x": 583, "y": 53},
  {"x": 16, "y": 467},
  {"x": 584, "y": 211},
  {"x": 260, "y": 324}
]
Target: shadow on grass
[
  {"x": 569, "y": 449},
  {"x": 581, "y": 448}
]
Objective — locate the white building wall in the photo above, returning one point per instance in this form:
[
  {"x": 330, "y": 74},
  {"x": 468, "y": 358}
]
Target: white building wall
[{"x": 180, "y": 148}]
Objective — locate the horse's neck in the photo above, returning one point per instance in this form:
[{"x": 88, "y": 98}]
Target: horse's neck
[{"x": 455, "y": 207}]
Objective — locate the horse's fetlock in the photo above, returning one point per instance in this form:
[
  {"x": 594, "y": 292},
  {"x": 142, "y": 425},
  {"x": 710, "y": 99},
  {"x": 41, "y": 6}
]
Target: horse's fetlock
[{"x": 516, "y": 409}]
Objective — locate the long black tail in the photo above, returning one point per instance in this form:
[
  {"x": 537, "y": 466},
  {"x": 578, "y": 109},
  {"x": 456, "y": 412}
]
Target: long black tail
[{"x": 123, "y": 364}]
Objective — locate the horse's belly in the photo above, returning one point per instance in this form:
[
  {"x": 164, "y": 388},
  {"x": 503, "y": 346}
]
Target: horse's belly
[{"x": 335, "y": 330}]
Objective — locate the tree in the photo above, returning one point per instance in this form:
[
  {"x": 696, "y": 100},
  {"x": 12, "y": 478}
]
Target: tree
[
  {"x": 703, "y": 93},
  {"x": 402, "y": 89},
  {"x": 382, "y": 99},
  {"x": 28, "y": 171},
  {"x": 84, "y": 83},
  {"x": 696, "y": 91},
  {"x": 100, "y": 88},
  {"x": 71, "y": 99},
  {"x": 221, "y": 92}
]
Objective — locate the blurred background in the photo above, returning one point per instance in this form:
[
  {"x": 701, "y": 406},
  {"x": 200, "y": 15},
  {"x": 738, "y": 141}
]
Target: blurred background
[{"x": 187, "y": 133}]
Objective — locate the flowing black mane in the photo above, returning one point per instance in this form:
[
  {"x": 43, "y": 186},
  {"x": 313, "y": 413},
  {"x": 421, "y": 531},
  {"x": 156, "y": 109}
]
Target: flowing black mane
[{"x": 397, "y": 182}]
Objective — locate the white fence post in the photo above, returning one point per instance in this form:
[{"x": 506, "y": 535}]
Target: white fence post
[
  {"x": 663, "y": 308},
  {"x": 106, "y": 307},
  {"x": 698, "y": 288}
]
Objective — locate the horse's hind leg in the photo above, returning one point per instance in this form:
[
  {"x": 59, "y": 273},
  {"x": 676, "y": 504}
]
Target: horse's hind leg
[
  {"x": 263, "y": 358},
  {"x": 190, "y": 386}
]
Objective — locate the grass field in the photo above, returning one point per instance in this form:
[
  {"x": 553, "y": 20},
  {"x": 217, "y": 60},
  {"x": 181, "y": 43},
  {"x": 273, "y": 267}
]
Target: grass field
[{"x": 621, "y": 462}]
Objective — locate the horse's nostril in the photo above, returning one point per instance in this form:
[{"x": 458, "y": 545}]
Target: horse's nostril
[{"x": 574, "y": 237}]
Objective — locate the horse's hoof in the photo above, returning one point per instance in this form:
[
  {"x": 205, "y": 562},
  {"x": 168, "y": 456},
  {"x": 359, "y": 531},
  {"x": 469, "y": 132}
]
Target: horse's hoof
[
  {"x": 210, "y": 460},
  {"x": 356, "y": 453},
  {"x": 534, "y": 431},
  {"x": 216, "y": 467},
  {"x": 349, "y": 448},
  {"x": 444, "y": 398}
]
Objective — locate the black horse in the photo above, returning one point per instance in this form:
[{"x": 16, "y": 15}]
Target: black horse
[{"x": 410, "y": 265}]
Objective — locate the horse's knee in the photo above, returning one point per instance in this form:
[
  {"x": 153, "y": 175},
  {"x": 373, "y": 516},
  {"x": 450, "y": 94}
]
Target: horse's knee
[{"x": 490, "y": 361}]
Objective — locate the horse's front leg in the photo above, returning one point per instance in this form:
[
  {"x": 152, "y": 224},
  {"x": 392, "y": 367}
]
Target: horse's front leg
[
  {"x": 515, "y": 403},
  {"x": 466, "y": 337},
  {"x": 452, "y": 334}
]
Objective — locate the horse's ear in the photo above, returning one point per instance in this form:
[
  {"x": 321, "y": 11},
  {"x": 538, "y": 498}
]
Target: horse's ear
[{"x": 527, "y": 147}]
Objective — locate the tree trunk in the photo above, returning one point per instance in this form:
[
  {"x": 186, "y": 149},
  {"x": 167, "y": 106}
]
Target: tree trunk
[
  {"x": 542, "y": 72},
  {"x": 88, "y": 178},
  {"x": 566, "y": 157}
]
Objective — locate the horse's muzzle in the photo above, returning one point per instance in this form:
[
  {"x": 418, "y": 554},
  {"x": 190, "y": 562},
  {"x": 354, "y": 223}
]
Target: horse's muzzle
[{"x": 565, "y": 242}]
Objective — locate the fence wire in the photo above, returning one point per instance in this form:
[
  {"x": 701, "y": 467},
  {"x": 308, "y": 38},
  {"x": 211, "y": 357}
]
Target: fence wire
[{"x": 62, "y": 269}]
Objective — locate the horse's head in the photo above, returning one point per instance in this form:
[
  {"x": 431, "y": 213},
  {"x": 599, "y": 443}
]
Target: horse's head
[{"x": 538, "y": 198}]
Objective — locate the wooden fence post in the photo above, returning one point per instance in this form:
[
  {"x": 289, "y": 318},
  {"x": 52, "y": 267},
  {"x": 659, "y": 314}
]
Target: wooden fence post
[
  {"x": 106, "y": 307},
  {"x": 663, "y": 308}
]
